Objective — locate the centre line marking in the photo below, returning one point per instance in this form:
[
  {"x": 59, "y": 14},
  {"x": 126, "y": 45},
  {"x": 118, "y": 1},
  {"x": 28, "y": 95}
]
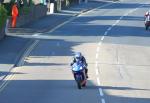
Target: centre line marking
[
  {"x": 98, "y": 81},
  {"x": 103, "y": 100},
  {"x": 102, "y": 38},
  {"x": 97, "y": 73},
  {"x": 98, "y": 50},
  {"x": 101, "y": 92},
  {"x": 96, "y": 62}
]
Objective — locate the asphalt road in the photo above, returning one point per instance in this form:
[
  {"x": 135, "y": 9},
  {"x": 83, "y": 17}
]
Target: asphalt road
[{"x": 116, "y": 45}]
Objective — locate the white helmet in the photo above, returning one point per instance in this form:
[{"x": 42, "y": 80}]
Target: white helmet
[{"x": 78, "y": 56}]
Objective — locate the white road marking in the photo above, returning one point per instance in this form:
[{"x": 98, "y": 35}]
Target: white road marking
[
  {"x": 98, "y": 81},
  {"x": 117, "y": 21},
  {"x": 109, "y": 28},
  {"x": 103, "y": 100},
  {"x": 21, "y": 62},
  {"x": 98, "y": 49},
  {"x": 99, "y": 43},
  {"x": 105, "y": 33},
  {"x": 96, "y": 55},
  {"x": 96, "y": 62},
  {"x": 101, "y": 92},
  {"x": 96, "y": 65},
  {"x": 102, "y": 38},
  {"x": 97, "y": 73},
  {"x": 36, "y": 34}
]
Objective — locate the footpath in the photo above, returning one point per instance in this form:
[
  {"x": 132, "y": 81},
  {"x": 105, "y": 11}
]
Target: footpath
[{"x": 12, "y": 47}]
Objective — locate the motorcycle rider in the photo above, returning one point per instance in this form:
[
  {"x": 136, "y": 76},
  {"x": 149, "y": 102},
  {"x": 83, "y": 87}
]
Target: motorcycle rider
[
  {"x": 147, "y": 15},
  {"x": 79, "y": 57}
]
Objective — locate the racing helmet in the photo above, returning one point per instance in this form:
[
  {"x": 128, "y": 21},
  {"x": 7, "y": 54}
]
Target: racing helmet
[{"x": 78, "y": 56}]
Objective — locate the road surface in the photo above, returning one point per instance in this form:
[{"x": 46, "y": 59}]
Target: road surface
[{"x": 113, "y": 39}]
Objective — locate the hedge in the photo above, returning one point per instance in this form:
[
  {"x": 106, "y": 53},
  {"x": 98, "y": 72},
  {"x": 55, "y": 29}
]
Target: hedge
[{"x": 3, "y": 15}]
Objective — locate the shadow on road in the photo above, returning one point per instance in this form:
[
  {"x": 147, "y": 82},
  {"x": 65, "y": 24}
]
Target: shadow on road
[{"x": 56, "y": 91}]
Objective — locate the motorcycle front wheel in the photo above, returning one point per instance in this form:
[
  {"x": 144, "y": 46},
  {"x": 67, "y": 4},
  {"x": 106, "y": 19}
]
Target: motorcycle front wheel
[
  {"x": 79, "y": 85},
  {"x": 146, "y": 27}
]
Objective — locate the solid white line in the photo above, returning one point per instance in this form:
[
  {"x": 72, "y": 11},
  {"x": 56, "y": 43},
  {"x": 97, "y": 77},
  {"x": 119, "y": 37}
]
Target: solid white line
[
  {"x": 7, "y": 80},
  {"x": 36, "y": 34},
  {"x": 21, "y": 62}
]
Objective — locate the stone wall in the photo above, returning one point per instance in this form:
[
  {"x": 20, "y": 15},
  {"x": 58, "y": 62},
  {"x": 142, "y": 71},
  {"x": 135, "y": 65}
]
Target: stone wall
[{"x": 36, "y": 12}]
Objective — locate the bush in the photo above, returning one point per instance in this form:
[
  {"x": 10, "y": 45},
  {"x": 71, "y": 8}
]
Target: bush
[
  {"x": 8, "y": 6},
  {"x": 3, "y": 15}
]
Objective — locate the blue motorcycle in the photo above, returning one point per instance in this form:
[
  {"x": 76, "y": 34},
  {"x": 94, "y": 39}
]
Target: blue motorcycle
[{"x": 78, "y": 70}]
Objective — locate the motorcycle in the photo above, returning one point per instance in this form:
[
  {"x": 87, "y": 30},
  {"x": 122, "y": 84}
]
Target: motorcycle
[{"x": 78, "y": 70}]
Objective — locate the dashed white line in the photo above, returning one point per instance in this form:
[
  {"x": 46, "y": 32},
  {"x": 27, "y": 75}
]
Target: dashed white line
[
  {"x": 105, "y": 33},
  {"x": 96, "y": 55},
  {"x": 96, "y": 62},
  {"x": 102, "y": 38},
  {"x": 99, "y": 43},
  {"x": 97, "y": 73},
  {"x": 103, "y": 100},
  {"x": 109, "y": 28},
  {"x": 117, "y": 21},
  {"x": 98, "y": 49},
  {"x": 98, "y": 81},
  {"x": 101, "y": 92}
]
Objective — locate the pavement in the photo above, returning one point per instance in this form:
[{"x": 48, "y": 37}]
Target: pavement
[{"x": 12, "y": 47}]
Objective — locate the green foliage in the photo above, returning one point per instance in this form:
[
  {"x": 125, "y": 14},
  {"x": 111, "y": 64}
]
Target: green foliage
[
  {"x": 8, "y": 7},
  {"x": 3, "y": 15}
]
